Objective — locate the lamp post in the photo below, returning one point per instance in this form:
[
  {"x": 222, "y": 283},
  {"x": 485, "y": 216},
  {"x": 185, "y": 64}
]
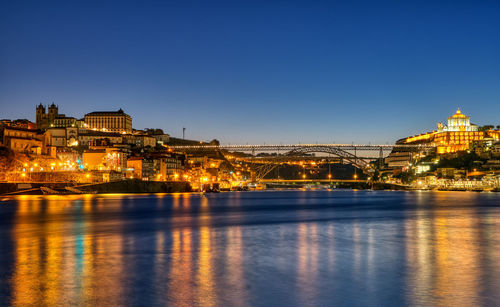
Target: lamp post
[{"x": 330, "y": 171}]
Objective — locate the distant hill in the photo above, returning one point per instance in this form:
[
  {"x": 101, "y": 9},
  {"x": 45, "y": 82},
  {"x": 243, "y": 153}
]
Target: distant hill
[{"x": 182, "y": 142}]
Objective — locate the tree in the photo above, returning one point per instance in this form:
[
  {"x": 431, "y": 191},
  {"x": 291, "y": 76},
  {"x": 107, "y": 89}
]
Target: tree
[
  {"x": 407, "y": 177},
  {"x": 7, "y": 161},
  {"x": 486, "y": 128}
]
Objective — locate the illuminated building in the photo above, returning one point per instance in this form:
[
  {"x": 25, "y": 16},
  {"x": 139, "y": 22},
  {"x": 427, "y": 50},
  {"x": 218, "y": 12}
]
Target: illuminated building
[
  {"x": 139, "y": 140},
  {"x": 458, "y": 135},
  {"x": 52, "y": 118},
  {"x": 159, "y": 135},
  {"x": 66, "y": 122},
  {"x": 18, "y": 123},
  {"x": 398, "y": 159},
  {"x": 89, "y": 137},
  {"x": 142, "y": 168},
  {"x": 111, "y": 121},
  {"x": 159, "y": 167},
  {"x": 26, "y": 140},
  {"x": 63, "y": 137},
  {"x": 43, "y": 119},
  {"x": 104, "y": 159},
  {"x": 173, "y": 163}
]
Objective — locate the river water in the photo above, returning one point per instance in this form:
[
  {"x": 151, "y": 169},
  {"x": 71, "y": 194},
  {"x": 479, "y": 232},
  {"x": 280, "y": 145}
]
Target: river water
[{"x": 269, "y": 248}]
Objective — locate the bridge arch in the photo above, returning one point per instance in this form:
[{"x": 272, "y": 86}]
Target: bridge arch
[{"x": 359, "y": 163}]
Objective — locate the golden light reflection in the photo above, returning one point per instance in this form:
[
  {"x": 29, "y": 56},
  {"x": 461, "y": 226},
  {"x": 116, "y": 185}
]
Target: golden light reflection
[
  {"x": 57, "y": 262},
  {"x": 176, "y": 197},
  {"x": 30, "y": 272},
  {"x": 331, "y": 248},
  {"x": 456, "y": 260},
  {"x": 27, "y": 263},
  {"x": 444, "y": 257},
  {"x": 307, "y": 250},
  {"x": 181, "y": 271},
  {"x": 206, "y": 294},
  {"x": 66, "y": 254},
  {"x": 234, "y": 256},
  {"x": 357, "y": 247}
]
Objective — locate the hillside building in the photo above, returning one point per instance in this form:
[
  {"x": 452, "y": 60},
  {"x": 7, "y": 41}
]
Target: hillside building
[
  {"x": 109, "y": 121},
  {"x": 458, "y": 135}
]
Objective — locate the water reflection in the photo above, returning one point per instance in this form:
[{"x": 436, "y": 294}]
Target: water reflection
[
  {"x": 241, "y": 249},
  {"x": 307, "y": 254},
  {"x": 446, "y": 257}
]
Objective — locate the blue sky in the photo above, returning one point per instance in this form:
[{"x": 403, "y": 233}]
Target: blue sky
[{"x": 254, "y": 72}]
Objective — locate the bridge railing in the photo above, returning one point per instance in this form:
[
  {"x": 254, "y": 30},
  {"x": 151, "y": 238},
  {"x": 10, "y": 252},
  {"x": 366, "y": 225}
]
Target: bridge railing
[{"x": 285, "y": 147}]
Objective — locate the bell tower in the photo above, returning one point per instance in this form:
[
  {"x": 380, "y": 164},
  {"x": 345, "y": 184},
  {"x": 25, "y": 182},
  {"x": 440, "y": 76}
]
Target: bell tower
[
  {"x": 53, "y": 112},
  {"x": 40, "y": 116}
]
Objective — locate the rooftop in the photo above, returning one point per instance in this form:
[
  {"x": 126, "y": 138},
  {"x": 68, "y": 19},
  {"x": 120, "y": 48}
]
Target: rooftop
[
  {"x": 458, "y": 115},
  {"x": 98, "y": 113}
]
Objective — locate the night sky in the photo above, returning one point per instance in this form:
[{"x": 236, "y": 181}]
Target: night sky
[{"x": 255, "y": 72}]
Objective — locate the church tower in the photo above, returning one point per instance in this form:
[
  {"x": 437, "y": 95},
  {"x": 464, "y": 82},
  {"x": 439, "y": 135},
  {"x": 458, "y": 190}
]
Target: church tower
[
  {"x": 53, "y": 112},
  {"x": 40, "y": 116}
]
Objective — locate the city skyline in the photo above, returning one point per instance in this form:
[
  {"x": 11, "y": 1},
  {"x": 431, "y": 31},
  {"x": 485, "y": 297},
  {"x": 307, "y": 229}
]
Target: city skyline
[
  {"x": 81, "y": 118},
  {"x": 326, "y": 73},
  {"x": 249, "y": 153}
]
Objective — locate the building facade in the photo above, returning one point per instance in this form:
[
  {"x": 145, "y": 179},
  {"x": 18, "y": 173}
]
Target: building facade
[
  {"x": 26, "y": 140},
  {"x": 109, "y": 121},
  {"x": 45, "y": 119},
  {"x": 63, "y": 137},
  {"x": 458, "y": 135},
  {"x": 104, "y": 159},
  {"x": 52, "y": 118},
  {"x": 89, "y": 137},
  {"x": 139, "y": 140}
]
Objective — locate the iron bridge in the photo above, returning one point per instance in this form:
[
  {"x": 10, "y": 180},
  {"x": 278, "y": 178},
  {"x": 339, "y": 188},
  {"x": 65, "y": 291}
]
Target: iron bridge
[
  {"x": 291, "y": 147},
  {"x": 347, "y": 152}
]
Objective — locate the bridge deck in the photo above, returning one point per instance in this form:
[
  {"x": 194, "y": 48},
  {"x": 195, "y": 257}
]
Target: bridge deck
[
  {"x": 312, "y": 180},
  {"x": 288, "y": 147}
]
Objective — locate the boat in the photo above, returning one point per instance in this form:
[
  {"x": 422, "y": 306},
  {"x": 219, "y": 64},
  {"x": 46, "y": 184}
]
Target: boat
[
  {"x": 48, "y": 191},
  {"x": 256, "y": 186}
]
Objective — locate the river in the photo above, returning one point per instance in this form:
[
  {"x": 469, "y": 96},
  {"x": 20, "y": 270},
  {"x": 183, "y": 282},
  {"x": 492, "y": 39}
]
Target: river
[{"x": 265, "y": 248}]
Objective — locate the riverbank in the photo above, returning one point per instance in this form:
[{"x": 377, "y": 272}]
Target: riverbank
[
  {"x": 136, "y": 186},
  {"x": 122, "y": 186}
]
